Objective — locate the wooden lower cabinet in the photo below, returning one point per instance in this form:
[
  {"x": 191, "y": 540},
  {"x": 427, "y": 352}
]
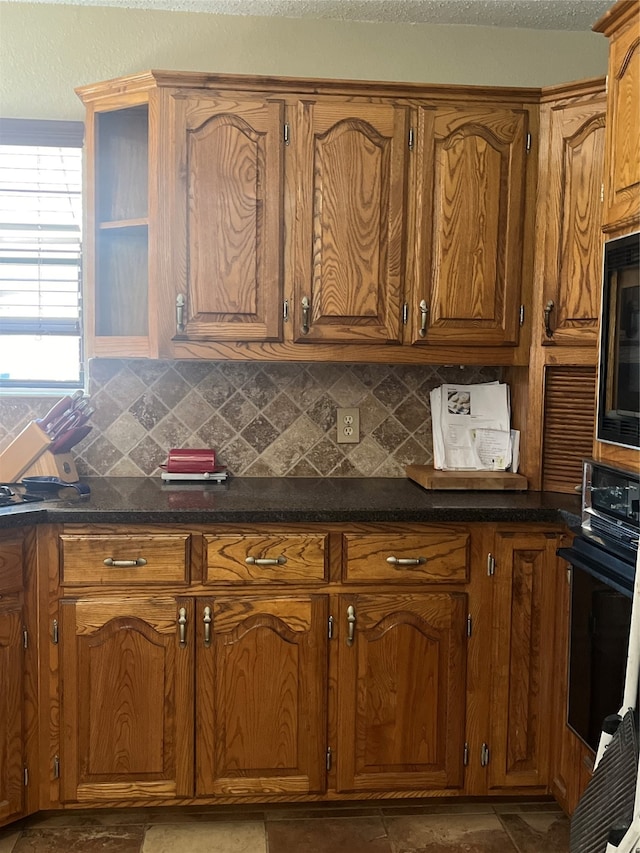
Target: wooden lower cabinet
[
  {"x": 127, "y": 697},
  {"x": 18, "y": 671},
  {"x": 384, "y": 676},
  {"x": 401, "y": 691},
  {"x": 261, "y": 674},
  {"x": 522, "y": 659},
  {"x": 11, "y": 712}
]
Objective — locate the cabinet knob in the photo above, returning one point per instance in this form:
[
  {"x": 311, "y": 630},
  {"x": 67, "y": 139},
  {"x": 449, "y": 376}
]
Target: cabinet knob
[
  {"x": 351, "y": 624},
  {"x": 306, "y": 305},
  {"x": 424, "y": 311},
  {"x": 180, "y": 303},
  {"x": 548, "y": 308}
]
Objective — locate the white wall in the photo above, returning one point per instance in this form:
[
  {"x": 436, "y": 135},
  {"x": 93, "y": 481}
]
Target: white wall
[{"x": 47, "y": 50}]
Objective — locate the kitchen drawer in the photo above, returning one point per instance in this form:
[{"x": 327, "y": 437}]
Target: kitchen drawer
[
  {"x": 437, "y": 554},
  {"x": 11, "y": 564},
  {"x": 266, "y": 558},
  {"x": 125, "y": 559}
]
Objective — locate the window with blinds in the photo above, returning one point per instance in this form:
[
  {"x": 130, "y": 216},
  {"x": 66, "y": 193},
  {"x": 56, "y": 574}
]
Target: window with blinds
[{"x": 40, "y": 256}]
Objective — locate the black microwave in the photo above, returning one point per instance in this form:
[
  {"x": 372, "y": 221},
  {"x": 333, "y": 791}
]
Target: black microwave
[{"x": 618, "y": 420}]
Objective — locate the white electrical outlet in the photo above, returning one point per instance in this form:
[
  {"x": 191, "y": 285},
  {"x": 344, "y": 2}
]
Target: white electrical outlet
[{"x": 348, "y": 424}]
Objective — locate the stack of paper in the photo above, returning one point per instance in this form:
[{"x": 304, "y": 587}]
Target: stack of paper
[{"x": 472, "y": 428}]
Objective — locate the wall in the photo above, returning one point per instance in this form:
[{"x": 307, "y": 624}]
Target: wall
[
  {"x": 48, "y": 49},
  {"x": 265, "y": 420}
]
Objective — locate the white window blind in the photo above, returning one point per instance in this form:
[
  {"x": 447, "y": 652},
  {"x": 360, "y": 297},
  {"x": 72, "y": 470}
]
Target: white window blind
[{"x": 40, "y": 261}]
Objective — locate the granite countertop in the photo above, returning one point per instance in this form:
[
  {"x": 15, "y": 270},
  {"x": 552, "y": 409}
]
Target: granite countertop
[{"x": 137, "y": 500}]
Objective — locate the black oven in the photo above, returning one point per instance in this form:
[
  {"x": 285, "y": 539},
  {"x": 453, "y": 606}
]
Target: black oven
[{"x": 602, "y": 562}]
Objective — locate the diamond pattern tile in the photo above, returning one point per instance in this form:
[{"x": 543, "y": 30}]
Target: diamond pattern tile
[{"x": 264, "y": 420}]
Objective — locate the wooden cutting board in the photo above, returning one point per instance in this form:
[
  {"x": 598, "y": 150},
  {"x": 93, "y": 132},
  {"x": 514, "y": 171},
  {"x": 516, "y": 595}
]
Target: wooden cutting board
[{"x": 430, "y": 478}]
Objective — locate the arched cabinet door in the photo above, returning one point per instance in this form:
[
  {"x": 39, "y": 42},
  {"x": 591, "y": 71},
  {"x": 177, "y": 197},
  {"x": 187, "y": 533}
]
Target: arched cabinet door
[
  {"x": 466, "y": 262},
  {"x": 401, "y": 691},
  {"x": 348, "y": 227},
  {"x": 126, "y": 698},
  {"x": 225, "y": 232},
  {"x": 261, "y": 673},
  {"x": 570, "y": 232}
]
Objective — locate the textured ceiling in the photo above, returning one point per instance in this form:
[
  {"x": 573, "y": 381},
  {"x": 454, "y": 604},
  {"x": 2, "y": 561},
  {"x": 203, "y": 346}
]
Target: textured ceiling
[{"x": 531, "y": 14}]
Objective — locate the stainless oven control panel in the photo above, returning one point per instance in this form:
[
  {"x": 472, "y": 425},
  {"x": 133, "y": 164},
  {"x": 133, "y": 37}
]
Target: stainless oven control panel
[{"x": 611, "y": 504}]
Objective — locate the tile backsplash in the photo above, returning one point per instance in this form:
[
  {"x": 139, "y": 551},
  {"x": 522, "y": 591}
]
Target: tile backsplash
[{"x": 264, "y": 420}]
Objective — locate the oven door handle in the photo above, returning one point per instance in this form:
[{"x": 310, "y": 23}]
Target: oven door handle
[{"x": 579, "y": 562}]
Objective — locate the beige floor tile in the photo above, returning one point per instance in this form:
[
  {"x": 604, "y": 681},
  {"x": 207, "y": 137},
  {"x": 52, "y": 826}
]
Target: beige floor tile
[
  {"x": 461, "y": 833},
  {"x": 538, "y": 832},
  {"x": 201, "y": 837},
  {"x": 8, "y": 838}
]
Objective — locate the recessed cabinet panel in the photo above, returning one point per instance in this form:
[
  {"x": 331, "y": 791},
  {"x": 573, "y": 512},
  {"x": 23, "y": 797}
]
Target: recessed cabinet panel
[
  {"x": 268, "y": 558},
  {"x": 469, "y": 221},
  {"x": 11, "y": 712},
  {"x": 440, "y": 555},
  {"x": 261, "y": 696},
  {"x": 127, "y": 694},
  {"x": 622, "y": 190},
  {"x": 401, "y": 718},
  {"x": 348, "y": 230},
  {"x": 229, "y": 197},
  {"x": 572, "y": 251}
]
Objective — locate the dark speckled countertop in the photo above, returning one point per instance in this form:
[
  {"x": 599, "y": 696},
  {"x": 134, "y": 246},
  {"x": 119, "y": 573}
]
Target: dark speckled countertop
[{"x": 137, "y": 500}]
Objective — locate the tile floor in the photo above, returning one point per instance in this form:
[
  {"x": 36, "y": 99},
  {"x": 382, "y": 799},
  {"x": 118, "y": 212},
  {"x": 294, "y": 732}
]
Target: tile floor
[{"x": 358, "y": 828}]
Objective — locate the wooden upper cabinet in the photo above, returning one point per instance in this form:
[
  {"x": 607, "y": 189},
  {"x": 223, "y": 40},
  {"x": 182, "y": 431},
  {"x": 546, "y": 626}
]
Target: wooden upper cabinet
[
  {"x": 348, "y": 220},
  {"x": 569, "y": 231},
  {"x": 127, "y": 698},
  {"x": 226, "y": 229},
  {"x": 622, "y": 174},
  {"x": 261, "y": 695},
  {"x": 401, "y": 691},
  {"x": 469, "y": 221}
]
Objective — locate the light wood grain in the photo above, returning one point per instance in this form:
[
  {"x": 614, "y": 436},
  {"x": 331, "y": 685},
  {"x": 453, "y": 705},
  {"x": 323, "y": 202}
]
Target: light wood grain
[
  {"x": 304, "y": 558},
  {"x": 432, "y": 478}
]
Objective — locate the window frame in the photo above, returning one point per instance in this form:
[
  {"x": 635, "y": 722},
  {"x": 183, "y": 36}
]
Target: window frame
[{"x": 56, "y": 134}]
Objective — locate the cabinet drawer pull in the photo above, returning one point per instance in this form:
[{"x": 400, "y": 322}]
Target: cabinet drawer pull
[
  {"x": 182, "y": 626},
  {"x": 306, "y": 305},
  {"x": 351, "y": 624},
  {"x": 124, "y": 564},
  {"x": 547, "y": 318},
  {"x": 424, "y": 311},
  {"x": 180, "y": 305},
  {"x": 266, "y": 561},
  {"x": 207, "y": 626},
  {"x": 406, "y": 561}
]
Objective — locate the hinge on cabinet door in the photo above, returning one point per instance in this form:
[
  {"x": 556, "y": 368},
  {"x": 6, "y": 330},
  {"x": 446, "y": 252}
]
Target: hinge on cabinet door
[
  {"x": 521, "y": 315},
  {"x": 330, "y": 628},
  {"x": 405, "y": 313},
  {"x": 484, "y": 755},
  {"x": 25, "y": 638},
  {"x": 465, "y": 755},
  {"x": 56, "y": 766},
  {"x": 285, "y": 310},
  {"x": 285, "y": 133},
  {"x": 469, "y": 625},
  {"x": 491, "y": 565},
  {"x": 528, "y": 147},
  {"x": 411, "y": 139},
  {"x": 329, "y": 757},
  {"x": 568, "y": 575},
  {"x": 26, "y": 776},
  {"x": 54, "y": 632}
]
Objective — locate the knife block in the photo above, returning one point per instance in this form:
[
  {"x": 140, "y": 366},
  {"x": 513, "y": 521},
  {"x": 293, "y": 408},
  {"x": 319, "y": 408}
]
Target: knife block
[
  {"x": 60, "y": 465},
  {"x": 23, "y": 452}
]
